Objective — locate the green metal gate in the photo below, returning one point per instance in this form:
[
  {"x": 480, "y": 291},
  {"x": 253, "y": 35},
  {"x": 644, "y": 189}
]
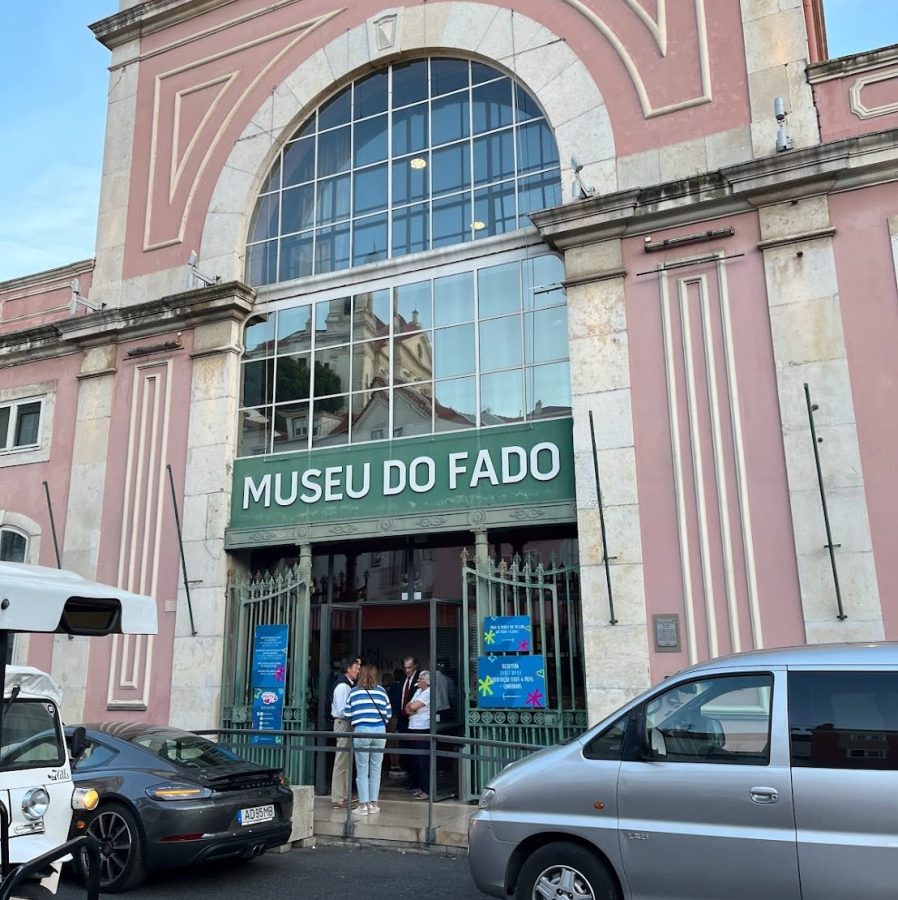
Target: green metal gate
[
  {"x": 281, "y": 599},
  {"x": 550, "y": 595}
]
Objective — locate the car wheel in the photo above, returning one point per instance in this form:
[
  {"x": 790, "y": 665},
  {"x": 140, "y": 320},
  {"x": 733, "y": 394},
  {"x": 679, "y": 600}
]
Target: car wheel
[
  {"x": 122, "y": 865},
  {"x": 563, "y": 871}
]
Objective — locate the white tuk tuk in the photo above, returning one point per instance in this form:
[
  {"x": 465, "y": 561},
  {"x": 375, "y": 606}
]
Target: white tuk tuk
[{"x": 37, "y": 794}]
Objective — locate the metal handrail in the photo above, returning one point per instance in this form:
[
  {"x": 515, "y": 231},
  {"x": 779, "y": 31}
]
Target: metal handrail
[{"x": 83, "y": 842}]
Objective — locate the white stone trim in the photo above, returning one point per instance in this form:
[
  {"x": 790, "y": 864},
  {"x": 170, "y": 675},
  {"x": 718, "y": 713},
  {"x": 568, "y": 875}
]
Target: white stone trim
[{"x": 859, "y": 108}]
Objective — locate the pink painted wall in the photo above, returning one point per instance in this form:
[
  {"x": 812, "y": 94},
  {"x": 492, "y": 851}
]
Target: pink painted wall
[
  {"x": 171, "y": 225},
  {"x": 41, "y": 299},
  {"x": 869, "y": 301},
  {"x": 764, "y": 464},
  {"x": 833, "y": 99}
]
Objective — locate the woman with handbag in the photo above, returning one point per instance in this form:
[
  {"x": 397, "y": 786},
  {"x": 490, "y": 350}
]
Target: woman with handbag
[{"x": 368, "y": 707}]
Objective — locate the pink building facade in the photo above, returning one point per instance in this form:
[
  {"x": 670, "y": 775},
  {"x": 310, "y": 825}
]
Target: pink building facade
[{"x": 730, "y": 312}]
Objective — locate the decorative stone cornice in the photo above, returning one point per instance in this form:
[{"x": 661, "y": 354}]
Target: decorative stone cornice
[
  {"x": 147, "y": 17},
  {"x": 852, "y": 65},
  {"x": 827, "y": 168},
  {"x": 40, "y": 279}
]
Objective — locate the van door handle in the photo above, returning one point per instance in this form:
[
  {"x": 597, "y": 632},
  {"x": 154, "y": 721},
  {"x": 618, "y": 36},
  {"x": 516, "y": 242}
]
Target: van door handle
[{"x": 764, "y": 795}]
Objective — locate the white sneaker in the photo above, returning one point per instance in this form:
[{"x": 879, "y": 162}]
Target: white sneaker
[
  {"x": 373, "y": 808},
  {"x": 361, "y": 810}
]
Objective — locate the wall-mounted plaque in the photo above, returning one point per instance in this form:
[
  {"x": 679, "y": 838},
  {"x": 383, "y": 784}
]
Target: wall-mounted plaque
[{"x": 667, "y": 633}]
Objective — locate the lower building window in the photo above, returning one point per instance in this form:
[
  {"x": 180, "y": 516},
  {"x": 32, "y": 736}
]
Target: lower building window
[
  {"x": 13, "y": 546},
  {"x": 20, "y": 424}
]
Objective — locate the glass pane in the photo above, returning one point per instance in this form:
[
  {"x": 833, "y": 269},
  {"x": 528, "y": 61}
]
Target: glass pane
[
  {"x": 527, "y": 107},
  {"x": 292, "y": 381},
  {"x": 548, "y": 390},
  {"x": 410, "y": 129},
  {"x": 494, "y": 157},
  {"x": 492, "y": 106},
  {"x": 4, "y": 426},
  {"x": 409, "y": 82},
  {"x": 371, "y": 94},
  {"x": 299, "y": 162},
  {"x": 453, "y": 299},
  {"x": 501, "y": 398},
  {"x": 370, "y": 190},
  {"x": 332, "y": 320},
  {"x": 332, "y": 249},
  {"x": 336, "y": 111},
  {"x": 28, "y": 420},
  {"x": 258, "y": 339},
  {"x": 447, "y": 75},
  {"x": 450, "y": 118},
  {"x": 370, "y": 365},
  {"x": 331, "y": 371},
  {"x": 545, "y": 335},
  {"x": 371, "y": 315},
  {"x": 307, "y": 128},
  {"x": 494, "y": 210},
  {"x": 258, "y": 382},
  {"x": 481, "y": 73},
  {"x": 412, "y": 410},
  {"x": 334, "y": 151},
  {"x": 296, "y": 256},
  {"x": 411, "y": 178},
  {"x": 455, "y": 404},
  {"x": 500, "y": 343},
  {"x": 499, "y": 289},
  {"x": 255, "y": 431},
  {"x": 371, "y": 141},
  {"x": 413, "y": 307},
  {"x": 291, "y": 427},
  {"x": 451, "y": 220},
  {"x": 265, "y": 219},
  {"x": 330, "y": 422},
  {"x": 536, "y": 147},
  {"x": 298, "y": 208},
  {"x": 370, "y": 416},
  {"x": 261, "y": 263},
  {"x": 543, "y": 278},
  {"x": 453, "y": 351},
  {"x": 412, "y": 358},
  {"x": 451, "y": 168},
  {"x": 12, "y": 546},
  {"x": 539, "y": 192},
  {"x": 333, "y": 199},
  {"x": 370, "y": 240},
  {"x": 411, "y": 229},
  {"x": 273, "y": 182},
  {"x": 295, "y": 329}
]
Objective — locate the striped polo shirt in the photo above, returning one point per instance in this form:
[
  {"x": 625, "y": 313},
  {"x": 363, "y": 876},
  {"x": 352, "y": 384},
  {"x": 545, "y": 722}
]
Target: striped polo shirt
[{"x": 369, "y": 708}]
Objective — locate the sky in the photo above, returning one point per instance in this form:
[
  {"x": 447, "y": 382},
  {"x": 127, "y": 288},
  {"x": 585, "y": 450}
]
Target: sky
[{"x": 53, "y": 83}]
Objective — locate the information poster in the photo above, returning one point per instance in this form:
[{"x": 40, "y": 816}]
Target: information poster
[
  {"x": 511, "y": 682},
  {"x": 507, "y": 634},
  {"x": 269, "y": 679}
]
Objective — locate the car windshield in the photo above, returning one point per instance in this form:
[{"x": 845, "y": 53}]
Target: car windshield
[
  {"x": 186, "y": 749},
  {"x": 31, "y": 736}
]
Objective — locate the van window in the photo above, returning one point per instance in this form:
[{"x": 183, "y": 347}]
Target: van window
[
  {"x": 716, "y": 720},
  {"x": 609, "y": 742},
  {"x": 31, "y": 736},
  {"x": 844, "y": 720}
]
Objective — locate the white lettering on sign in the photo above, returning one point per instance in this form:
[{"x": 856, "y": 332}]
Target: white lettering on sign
[
  {"x": 554, "y": 462},
  {"x": 456, "y": 469},
  {"x": 366, "y": 482},
  {"x": 332, "y": 482},
  {"x": 397, "y": 466},
  {"x": 279, "y": 497},
  {"x": 484, "y": 468},
  {"x": 521, "y": 474},
  {"x": 309, "y": 483},
  {"x": 414, "y": 478},
  {"x": 257, "y": 492}
]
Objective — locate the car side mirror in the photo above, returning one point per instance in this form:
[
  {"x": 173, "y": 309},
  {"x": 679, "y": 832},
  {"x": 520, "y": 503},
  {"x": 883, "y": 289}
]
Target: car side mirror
[
  {"x": 657, "y": 743},
  {"x": 78, "y": 743}
]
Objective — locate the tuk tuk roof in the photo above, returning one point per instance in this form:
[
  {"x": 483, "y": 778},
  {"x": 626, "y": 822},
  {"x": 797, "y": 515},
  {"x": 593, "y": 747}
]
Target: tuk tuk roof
[
  {"x": 33, "y": 684},
  {"x": 37, "y": 598}
]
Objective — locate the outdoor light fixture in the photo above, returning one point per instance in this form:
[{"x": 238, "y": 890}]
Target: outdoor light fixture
[
  {"x": 418, "y": 163},
  {"x": 478, "y": 225}
]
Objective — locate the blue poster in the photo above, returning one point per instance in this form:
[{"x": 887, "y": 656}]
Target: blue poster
[
  {"x": 269, "y": 680},
  {"x": 508, "y": 634},
  {"x": 511, "y": 682}
]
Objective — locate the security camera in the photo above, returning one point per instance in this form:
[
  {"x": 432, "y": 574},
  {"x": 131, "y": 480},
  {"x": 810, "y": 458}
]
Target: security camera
[
  {"x": 783, "y": 141},
  {"x": 576, "y": 164},
  {"x": 779, "y": 109}
]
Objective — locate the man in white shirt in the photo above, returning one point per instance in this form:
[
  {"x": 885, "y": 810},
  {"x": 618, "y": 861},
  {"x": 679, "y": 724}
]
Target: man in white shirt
[{"x": 340, "y": 793}]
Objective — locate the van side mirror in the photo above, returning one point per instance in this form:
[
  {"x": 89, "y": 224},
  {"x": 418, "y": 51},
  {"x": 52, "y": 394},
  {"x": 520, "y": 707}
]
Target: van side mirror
[
  {"x": 657, "y": 743},
  {"x": 78, "y": 743}
]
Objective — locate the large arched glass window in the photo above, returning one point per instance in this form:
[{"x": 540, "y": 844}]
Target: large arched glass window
[
  {"x": 419, "y": 155},
  {"x": 13, "y": 545}
]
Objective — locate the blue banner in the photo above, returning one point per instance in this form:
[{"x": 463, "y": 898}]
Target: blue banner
[
  {"x": 507, "y": 634},
  {"x": 511, "y": 682},
  {"x": 269, "y": 679}
]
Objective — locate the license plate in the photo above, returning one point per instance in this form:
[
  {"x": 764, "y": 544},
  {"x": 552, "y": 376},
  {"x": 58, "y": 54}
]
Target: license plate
[{"x": 255, "y": 814}]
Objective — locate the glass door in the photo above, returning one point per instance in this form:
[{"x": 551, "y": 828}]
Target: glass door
[{"x": 447, "y": 681}]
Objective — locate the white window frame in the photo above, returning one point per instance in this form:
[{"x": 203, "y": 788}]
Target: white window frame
[
  {"x": 22, "y": 534},
  {"x": 13, "y": 406}
]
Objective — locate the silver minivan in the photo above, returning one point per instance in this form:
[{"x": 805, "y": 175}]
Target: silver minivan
[{"x": 770, "y": 774}]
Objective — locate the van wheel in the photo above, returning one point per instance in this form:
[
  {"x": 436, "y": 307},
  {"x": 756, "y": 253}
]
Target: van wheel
[
  {"x": 122, "y": 865},
  {"x": 565, "y": 871}
]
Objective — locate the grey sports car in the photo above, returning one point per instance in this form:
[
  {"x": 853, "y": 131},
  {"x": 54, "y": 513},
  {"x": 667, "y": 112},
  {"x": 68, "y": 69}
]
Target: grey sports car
[{"x": 172, "y": 798}]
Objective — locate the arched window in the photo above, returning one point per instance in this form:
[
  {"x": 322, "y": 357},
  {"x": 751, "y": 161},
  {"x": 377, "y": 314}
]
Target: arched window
[
  {"x": 419, "y": 155},
  {"x": 13, "y": 545}
]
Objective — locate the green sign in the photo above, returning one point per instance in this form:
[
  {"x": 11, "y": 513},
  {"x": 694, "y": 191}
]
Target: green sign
[{"x": 505, "y": 466}]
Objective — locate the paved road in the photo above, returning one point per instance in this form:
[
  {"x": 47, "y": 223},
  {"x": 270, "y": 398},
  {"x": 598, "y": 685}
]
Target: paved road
[{"x": 323, "y": 873}]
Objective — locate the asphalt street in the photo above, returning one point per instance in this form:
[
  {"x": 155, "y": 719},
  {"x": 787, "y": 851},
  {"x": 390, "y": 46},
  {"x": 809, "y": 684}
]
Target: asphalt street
[{"x": 323, "y": 873}]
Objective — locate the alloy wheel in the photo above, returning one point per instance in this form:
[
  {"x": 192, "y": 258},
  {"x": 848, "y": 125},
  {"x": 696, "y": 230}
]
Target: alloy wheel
[
  {"x": 561, "y": 882},
  {"x": 116, "y": 844}
]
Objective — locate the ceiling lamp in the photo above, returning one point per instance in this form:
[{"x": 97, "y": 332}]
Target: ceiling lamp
[{"x": 418, "y": 163}]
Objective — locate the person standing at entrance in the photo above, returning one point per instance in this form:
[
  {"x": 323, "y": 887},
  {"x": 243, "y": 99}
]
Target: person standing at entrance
[
  {"x": 411, "y": 667},
  {"x": 369, "y": 710},
  {"x": 418, "y": 711},
  {"x": 340, "y": 795}
]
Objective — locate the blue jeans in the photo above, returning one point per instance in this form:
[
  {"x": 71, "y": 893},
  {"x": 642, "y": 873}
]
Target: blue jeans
[{"x": 368, "y": 762}]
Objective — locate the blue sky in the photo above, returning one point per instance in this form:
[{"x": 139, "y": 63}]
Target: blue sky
[{"x": 53, "y": 83}]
